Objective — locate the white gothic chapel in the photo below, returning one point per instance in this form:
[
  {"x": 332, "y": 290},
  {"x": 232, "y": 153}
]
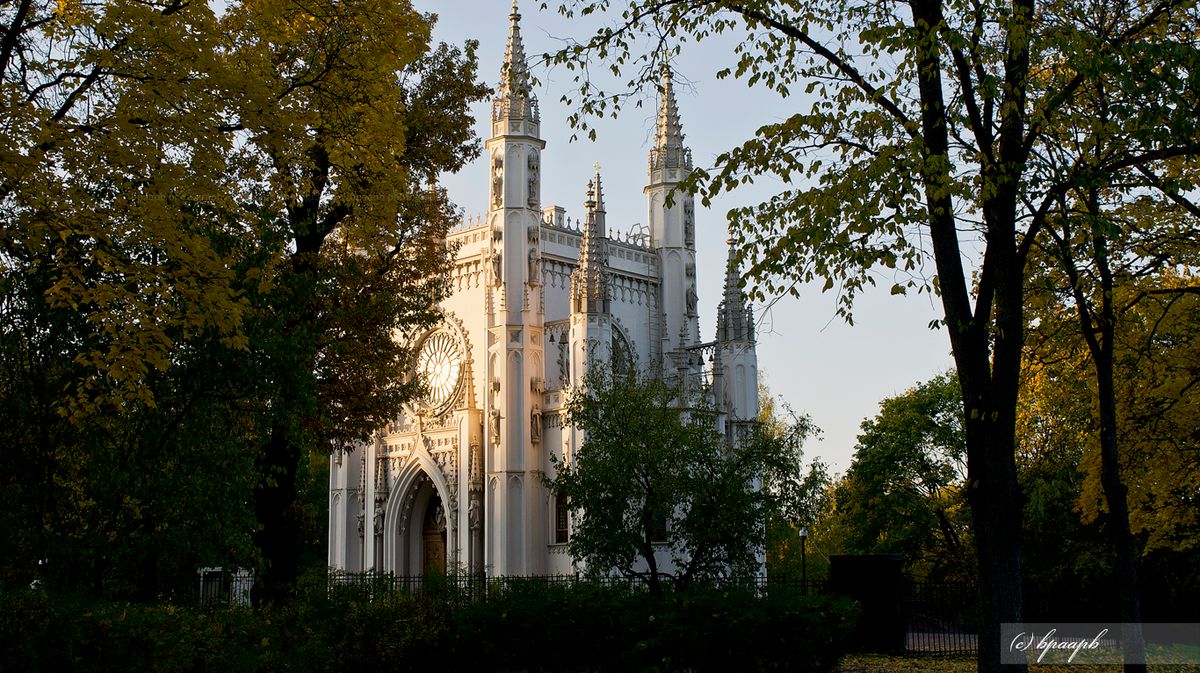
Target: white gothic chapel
[{"x": 454, "y": 483}]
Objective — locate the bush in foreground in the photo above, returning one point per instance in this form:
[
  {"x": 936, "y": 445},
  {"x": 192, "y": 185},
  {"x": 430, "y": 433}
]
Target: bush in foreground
[{"x": 526, "y": 626}]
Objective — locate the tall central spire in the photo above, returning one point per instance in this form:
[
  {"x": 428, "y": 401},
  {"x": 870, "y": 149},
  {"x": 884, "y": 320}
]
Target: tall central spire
[
  {"x": 514, "y": 73},
  {"x": 668, "y": 130},
  {"x": 514, "y": 98},
  {"x": 668, "y": 151}
]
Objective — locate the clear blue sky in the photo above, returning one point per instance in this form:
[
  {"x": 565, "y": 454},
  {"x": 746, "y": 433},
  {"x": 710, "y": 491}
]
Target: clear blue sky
[{"x": 809, "y": 357}]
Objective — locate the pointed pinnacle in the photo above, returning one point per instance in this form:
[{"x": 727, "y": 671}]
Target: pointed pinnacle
[
  {"x": 514, "y": 72},
  {"x": 599, "y": 189},
  {"x": 668, "y": 130},
  {"x": 731, "y": 316},
  {"x": 589, "y": 281}
]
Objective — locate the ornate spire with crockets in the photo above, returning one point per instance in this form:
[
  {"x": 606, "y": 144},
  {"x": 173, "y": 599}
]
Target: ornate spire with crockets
[
  {"x": 668, "y": 151},
  {"x": 735, "y": 318},
  {"x": 589, "y": 282},
  {"x": 668, "y": 131},
  {"x": 515, "y": 97}
]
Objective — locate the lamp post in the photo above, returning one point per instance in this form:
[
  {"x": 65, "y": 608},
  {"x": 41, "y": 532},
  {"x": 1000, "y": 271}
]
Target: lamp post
[{"x": 803, "y": 561}]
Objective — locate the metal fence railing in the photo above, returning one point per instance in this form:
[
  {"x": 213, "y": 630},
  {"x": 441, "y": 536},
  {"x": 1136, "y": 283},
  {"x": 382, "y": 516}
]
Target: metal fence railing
[
  {"x": 458, "y": 588},
  {"x": 370, "y": 585},
  {"x": 940, "y": 617},
  {"x": 220, "y": 586}
]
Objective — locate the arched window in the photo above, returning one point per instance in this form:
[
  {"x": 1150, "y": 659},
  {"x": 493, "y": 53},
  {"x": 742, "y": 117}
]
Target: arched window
[{"x": 562, "y": 528}]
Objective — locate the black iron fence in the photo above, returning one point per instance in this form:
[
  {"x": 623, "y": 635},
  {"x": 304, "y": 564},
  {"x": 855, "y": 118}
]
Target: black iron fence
[
  {"x": 459, "y": 588},
  {"x": 940, "y": 617},
  {"x": 937, "y": 617},
  {"x": 370, "y": 585},
  {"x": 218, "y": 586}
]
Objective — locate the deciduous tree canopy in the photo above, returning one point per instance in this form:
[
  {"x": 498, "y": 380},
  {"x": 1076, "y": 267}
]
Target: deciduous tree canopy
[
  {"x": 930, "y": 128},
  {"x": 903, "y": 491},
  {"x": 654, "y": 473},
  {"x": 213, "y": 227}
]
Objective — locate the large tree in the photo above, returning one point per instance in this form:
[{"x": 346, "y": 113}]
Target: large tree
[
  {"x": 1146, "y": 433},
  {"x": 903, "y": 491},
  {"x": 348, "y": 116},
  {"x": 655, "y": 480},
  {"x": 213, "y": 228},
  {"x": 119, "y": 290},
  {"x": 1099, "y": 234},
  {"x": 918, "y": 140}
]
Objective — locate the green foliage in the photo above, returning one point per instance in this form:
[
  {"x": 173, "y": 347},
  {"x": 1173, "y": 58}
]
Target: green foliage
[
  {"x": 653, "y": 474},
  {"x": 114, "y": 505},
  {"x": 803, "y": 497},
  {"x": 930, "y": 127},
  {"x": 903, "y": 491},
  {"x": 44, "y": 631},
  {"x": 1067, "y": 518},
  {"x": 782, "y": 433},
  {"x": 530, "y": 625},
  {"x": 213, "y": 227}
]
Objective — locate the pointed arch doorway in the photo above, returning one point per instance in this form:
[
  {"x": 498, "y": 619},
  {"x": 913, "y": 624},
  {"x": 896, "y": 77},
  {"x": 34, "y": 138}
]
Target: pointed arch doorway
[
  {"x": 433, "y": 538},
  {"x": 420, "y": 536}
]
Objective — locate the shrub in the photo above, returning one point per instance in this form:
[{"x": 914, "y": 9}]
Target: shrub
[
  {"x": 584, "y": 627},
  {"x": 520, "y": 625},
  {"x": 41, "y": 631}
]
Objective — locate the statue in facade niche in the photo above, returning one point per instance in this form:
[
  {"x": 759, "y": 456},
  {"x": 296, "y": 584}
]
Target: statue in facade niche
[
  {"x": 497, "y": 181},
  {"x": 496, "y": 267},
  {"x": 535, "y": 424},
  {"x": 473, "y": 519},
  {"x": 564, "y": 362},
  {"x": 691, "y": 300},
  {"x": 534, "y": 271},
  {"x": 533, "y": 179},
  {"x": 689, "y": 226}
]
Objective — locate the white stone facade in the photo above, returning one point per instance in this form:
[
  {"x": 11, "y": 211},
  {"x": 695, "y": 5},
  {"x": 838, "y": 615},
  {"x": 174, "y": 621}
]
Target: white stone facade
[{"x": 454, "y": 483}]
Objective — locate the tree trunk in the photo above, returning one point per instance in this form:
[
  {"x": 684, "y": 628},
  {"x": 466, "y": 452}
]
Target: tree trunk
[
  {"x": 1110, "y": 467},
  {"x": 989, "y": 388},
  {"x": 648, "y": 551},
  {"x": 275, "y": 507},
  {"x": 1098, "y": 329},
  {"x": 1118, "y": 510},
  {"x": 275, "y": 497},
  {"x": 996, "y": 518},
  {"x": 986, "y": 340}
]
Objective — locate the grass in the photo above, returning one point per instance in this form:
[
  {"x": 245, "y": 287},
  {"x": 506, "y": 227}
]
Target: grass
[{"x": 879, "y": 663}]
